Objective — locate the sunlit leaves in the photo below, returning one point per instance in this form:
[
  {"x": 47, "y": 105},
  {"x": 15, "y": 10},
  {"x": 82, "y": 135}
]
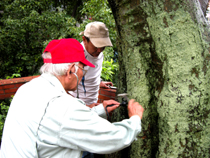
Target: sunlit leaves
[
  {"x": 108, "y": 70},
  {"x": 26, "y": 26}
]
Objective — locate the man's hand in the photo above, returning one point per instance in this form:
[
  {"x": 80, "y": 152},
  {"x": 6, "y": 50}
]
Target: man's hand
[
  {"x": 109, "y": 102},
  {"x": 105, "y": 84},
  {"x": 92, "y": 105},
  {"x": 134, "y": 108}
]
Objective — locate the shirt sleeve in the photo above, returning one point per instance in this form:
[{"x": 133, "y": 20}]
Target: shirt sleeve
[
  {"x": 70, "y": 124},
  {"x": 99, "y": 109}
]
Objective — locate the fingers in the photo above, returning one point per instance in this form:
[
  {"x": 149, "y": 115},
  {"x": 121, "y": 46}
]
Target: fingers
[
  {"x": 130, "y": 103},
  {"x": 110, "y": 102},
  {"x": 112, "y": 108},
  {"x": 104, "y": 85},
  {"x": 134, "y": 108},
  {"x": 107, "y": 84}
]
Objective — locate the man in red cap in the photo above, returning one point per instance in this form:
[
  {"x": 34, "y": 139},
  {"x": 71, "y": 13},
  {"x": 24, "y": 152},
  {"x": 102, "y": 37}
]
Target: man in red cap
[{"x": 45, "y": 121}]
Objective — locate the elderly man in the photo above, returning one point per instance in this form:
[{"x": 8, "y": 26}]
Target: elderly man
[
  {"x": 45, "y": 121},
  {"x": 95, "y": 39}
]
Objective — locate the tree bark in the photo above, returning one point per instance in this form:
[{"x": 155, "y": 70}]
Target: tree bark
[{"x": 163, "y": 49}]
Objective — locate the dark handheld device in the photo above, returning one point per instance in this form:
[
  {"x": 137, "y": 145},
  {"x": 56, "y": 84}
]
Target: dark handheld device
[{"x": 124, "y": 103}]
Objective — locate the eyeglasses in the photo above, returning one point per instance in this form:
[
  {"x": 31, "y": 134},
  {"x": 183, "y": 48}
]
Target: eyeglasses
[{"x": 83, "y": 70}]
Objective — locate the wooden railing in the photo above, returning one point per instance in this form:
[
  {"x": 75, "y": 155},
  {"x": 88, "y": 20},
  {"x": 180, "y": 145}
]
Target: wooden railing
[{"x": 8, "y": 88}]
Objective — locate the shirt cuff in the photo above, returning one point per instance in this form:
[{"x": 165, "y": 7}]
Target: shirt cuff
[
  {"x": 99, "y": 109},
  {"x": 136, "y": 118}
]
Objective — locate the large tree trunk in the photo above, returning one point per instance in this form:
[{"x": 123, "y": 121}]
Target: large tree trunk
[{"x": 164, "y": 65}]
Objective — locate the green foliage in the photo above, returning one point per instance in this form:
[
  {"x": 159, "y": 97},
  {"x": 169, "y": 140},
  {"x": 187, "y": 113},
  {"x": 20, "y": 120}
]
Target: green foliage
[
  {"x": 109, "y": 68},
  {"x": 13, "y": 76},
  {"x": 26, "y": 27},
  {"x": 4, "y": 109}
]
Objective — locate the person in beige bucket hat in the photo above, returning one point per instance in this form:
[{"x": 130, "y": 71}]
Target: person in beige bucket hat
[
  {"x": 95, "y": 39},
  {"x": 98, "y": 34}
]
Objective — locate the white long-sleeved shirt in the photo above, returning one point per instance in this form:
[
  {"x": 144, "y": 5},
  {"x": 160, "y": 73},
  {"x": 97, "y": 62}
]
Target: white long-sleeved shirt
[
  {"x": 89, "y": 86},
  {"x": 44, "y": 121}
]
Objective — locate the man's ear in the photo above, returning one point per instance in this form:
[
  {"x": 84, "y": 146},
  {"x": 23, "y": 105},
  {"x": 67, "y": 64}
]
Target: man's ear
[
  {"x": 83, "y": 38},
  {"x": 71, "y": 70},
  {"x": 85, "y": 41}
]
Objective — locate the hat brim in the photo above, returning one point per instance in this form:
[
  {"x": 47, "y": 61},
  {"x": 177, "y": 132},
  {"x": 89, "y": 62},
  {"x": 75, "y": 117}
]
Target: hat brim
[
  {"x": 87, "y": 63},
  {"x": 101, "y": 42},
  {"x": 81, "y": 33}
]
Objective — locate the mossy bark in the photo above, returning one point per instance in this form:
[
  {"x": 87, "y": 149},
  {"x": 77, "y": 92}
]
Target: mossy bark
[{"x": 164, "y": 65}]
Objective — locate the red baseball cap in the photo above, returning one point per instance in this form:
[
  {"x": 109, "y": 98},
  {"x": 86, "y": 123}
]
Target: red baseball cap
[{"x": 66, "y": 50}]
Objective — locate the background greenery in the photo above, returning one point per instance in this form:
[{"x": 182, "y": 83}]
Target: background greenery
[
  {"x": 4, "y": 109},
  {"x": 27, "y": 26}
]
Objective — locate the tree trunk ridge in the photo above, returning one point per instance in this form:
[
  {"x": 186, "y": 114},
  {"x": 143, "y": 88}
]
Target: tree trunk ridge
[{"x": 164, "y": 65}]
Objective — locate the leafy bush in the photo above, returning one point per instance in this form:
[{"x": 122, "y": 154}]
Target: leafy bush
[
  {"x": 4, "y": 109},
  {"x": 26, "y": 27},
  {"x": 109, "y": 68}
]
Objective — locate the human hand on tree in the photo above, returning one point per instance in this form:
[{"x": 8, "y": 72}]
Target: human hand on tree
[{"x": 134, "y": 108}]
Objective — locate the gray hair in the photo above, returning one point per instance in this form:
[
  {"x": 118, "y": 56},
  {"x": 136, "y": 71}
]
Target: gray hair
[{"x": 55, "y": 69}]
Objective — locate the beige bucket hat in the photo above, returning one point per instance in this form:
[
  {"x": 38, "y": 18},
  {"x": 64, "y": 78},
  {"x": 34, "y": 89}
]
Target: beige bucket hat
[{"x": 98, "y": 34}]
